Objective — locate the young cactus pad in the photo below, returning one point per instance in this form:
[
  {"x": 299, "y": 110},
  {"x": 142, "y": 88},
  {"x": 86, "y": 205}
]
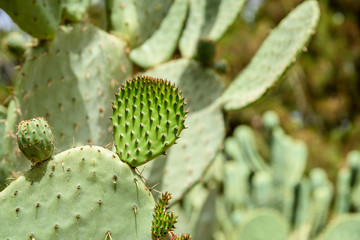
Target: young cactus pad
[
  {"x": 163, "y": 221},
  {"x": 148, "y": 116},
  {"x": 35, "y": 139}
]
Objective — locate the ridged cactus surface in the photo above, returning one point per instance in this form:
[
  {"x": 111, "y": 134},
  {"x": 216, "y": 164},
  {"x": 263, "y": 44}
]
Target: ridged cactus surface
[
  {"x": 148, "y": 117},
  {"x": 275, "y": 55},
  {"x": 35, "y": 139},
  {"x": 82, "y": 193},
  {"x": 71, "y": 80},
  {"x": 39, "y": 18}
]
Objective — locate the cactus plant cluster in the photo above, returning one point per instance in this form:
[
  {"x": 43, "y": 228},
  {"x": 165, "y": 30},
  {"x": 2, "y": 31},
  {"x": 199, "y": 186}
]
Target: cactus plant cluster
[
  {"x": 245, "y": 196},
  {"x": 79, "y": 60},
  {"x": 89, "y": 192}
]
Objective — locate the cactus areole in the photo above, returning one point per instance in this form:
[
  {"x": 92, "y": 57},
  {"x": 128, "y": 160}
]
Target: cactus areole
[
  {"x": 35, "y": 139},
  {"x": 148, "y": 116}
]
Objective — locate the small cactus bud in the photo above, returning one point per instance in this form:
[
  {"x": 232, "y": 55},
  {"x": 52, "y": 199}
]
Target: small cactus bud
[{"x": 35, "y": 139}]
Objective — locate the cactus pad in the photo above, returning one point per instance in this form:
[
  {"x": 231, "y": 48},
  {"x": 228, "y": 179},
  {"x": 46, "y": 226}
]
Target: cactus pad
[
  {"x": 79, "y": 71},
  {"x": 148, "y": 116},
  {"x": 263, "y": 224},
  {"x": 162, "y": 44},
  {"x": 207, "y": 19},
  {"x": 188, "y": 160},
  {"x": 35, "y": 139},
  {"x": 345, "y": 227},
  {"x": 82, "y": 193},
  {"x": 136, "y": 20},
  {"x": 39, "y": 18},
  {"x": 75, "y": 10},
  {"x": 274, "y": 56}
]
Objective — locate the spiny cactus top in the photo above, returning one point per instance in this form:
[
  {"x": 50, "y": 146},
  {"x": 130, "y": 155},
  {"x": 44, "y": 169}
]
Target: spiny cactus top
[
  {"x": 163, "y": 221},
  {"x": 35, "y": 139},
  {"x": 148, "y": 116}
]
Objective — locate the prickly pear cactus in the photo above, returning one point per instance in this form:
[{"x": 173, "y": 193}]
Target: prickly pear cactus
[
  {"x": 163, "y": 220},
  {"x": 263, "y": 224},
  {"x": 161, "y": 45},
  {"x": 207, "y": 19},
  {"x": 79, "y": 71},
  {"x": 148, "y": 116},
  {"x": 136, "y": 20},
  {"x": 274, "y": 56},
  {"x": 39, "y": 18},
  {"x": 82, "y": 193},
  {"x": 35, "y": 139}
]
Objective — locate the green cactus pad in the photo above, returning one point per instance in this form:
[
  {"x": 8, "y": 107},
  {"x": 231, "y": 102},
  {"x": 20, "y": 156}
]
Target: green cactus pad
[
  {"x": 136, "y": 20},
  {"x": 263, "y": 224},
  {"x": 148, "y": 116},
  {"x": 274, "y": 56},
  {"x": 188, "y": 160},
  {"x": 194, "y": 81},
  {"x": 345, "y": 227},
  {"x": 207, "y": 19},
  {"x": 163, "y": 221},
  {"x": 78, "y": 71},
  {"x": 161, "y": 45},
  {"x": 82, "y": 193},
  {"x": 35, "y": 139},
  {"x": 39, "y": 18},
  {"x": 75, "y": 10}
]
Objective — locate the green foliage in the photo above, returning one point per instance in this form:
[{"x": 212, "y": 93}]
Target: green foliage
[
  {"x": 35, "y": 139},
  {"x": 148, "y": 116}
]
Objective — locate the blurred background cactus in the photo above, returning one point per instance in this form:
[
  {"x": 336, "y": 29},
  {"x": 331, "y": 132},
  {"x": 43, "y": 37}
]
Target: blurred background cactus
[{"x": 64, "y": 60}]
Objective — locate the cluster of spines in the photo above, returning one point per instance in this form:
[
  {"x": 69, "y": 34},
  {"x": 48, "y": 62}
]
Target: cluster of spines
[
  {"x": 163, "y": 220},
  {"x": 148, "y": 116},
  {"x": 182, "y": 237},
  {"x": 35, "y": 139}
]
